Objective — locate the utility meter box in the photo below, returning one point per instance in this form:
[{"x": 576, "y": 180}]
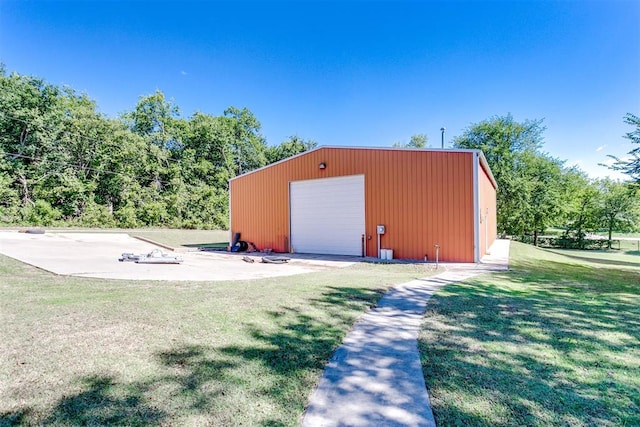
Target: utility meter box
[{"x": 381, "y": 229}]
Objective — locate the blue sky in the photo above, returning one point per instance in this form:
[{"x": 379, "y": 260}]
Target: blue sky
[{"x": 363, "y": 73}]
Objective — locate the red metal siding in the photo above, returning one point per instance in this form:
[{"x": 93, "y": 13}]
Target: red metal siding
[{"x": 423, "y": 197}]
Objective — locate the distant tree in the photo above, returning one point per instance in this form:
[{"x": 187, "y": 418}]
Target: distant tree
[
  {"x": 631, "y": 166},
  {"x": 545, "y": 195},
  {"x": 417, "y": 141},
  {"x": 294, "y": 145},
  {"x": 582, "y": 200},
  {"x": 620, "y": 208}
]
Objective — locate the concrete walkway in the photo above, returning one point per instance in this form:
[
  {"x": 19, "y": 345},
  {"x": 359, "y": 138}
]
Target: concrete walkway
[{"x": 375, "y": 378}]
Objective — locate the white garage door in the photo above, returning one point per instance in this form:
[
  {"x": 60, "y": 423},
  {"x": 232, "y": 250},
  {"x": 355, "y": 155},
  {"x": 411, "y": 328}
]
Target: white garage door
[{"x": 327, "y": 215}]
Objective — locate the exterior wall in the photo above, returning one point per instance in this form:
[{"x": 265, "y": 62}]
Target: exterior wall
[
  {"x": 422, "y": 197},
  {"x": 487, "y": 209}
]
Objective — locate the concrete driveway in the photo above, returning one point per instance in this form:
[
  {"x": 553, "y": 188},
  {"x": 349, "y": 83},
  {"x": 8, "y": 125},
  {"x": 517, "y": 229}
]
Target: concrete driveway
[{"x": 96, "y": 255}]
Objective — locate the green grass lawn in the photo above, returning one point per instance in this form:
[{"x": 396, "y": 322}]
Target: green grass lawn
[
  {"x": 78, "y": 351},
  {"x": 555, "y": 341},
  {"x": 187, "y": 238}
]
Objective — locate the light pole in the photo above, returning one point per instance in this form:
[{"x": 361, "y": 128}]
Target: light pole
[{"x": 442, "y": 130}]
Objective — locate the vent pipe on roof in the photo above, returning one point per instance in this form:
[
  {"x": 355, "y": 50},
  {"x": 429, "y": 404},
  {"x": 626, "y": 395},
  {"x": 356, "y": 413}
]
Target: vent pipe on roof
[{"x": 443, "y": 129}]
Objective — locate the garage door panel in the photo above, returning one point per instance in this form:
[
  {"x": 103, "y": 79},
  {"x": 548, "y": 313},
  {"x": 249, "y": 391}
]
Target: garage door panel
[{"x": 327, "y": 215}]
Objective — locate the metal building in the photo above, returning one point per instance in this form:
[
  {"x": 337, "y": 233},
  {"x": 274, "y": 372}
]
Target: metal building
[{"x": 332, "y": 200}]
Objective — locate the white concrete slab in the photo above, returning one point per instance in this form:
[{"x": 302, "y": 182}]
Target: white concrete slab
[{"x": 96, "y": 255}]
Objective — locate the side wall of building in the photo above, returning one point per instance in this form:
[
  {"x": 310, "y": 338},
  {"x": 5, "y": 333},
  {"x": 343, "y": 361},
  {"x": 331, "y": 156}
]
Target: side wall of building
[
  {"x": 487, "y": 210},
  {"x": 423, "y": 198}
]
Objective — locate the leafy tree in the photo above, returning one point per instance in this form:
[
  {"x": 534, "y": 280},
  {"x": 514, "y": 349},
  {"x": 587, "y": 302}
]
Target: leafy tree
[
  {"x": 30, "y": 110},
  {"x": 582, "y": 200},
  {"x": 248, "y": 145},
  {"x": 294, "y": 145},
  {"x": 631, "y": 166},
  {"x": 157, "y": 118},
  {"x": 544, "y": 193},
  {"x": 509, "y": 147},
  {"x": 417, "y": 141},
  {"x": 620, "y": 209},
  {"x": 211, "y": 140}
]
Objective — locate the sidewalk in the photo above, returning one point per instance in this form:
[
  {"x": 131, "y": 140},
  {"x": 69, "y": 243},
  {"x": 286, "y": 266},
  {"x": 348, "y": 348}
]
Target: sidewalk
[{"x": 375, "y": 377}]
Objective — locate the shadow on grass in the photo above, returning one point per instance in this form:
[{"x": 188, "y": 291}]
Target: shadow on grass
[
  {"x": 274, "y": 366},
  {"x": 302, "y": 344},
  {"x": 561, "y": 350},
  {"x": 303, "y": 340},
  {"x": 102, "y": 402},
  {"x": 604, "y": 261},
  {"x": 15, "y": 418}
]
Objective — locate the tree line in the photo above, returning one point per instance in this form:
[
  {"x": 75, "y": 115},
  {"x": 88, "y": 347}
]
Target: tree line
[
  {"x": 537, "y": 191},
  {"x": 62, "y": 162}
]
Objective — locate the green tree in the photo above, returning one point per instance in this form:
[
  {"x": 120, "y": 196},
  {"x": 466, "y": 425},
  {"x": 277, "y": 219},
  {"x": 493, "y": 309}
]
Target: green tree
[
  {"x": 417, "y": 141},
  {"x": 544, "y": 190},
  {"x": 582, "y": 200},
  {"x": 248, "y": 145},
  {"x": 158, "y": 119},
  {"x": 62, "y": 161},
  {"x": 212, "y": 139},
  {"x": 294, "y": 145},
  {"x": 30, "y": 111},
  {"x": 620, "y": 209},
  {"x": 50, "y": 136},
  {"x": 509, "y": 147},
  {"x": 630, "y": 166}
]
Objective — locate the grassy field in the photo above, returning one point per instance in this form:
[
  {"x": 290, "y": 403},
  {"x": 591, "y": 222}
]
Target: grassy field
[
  {"x": 553, "y": 342},
  {"x": 79, "y": 351},
  {"x": 187, "y": 238}
]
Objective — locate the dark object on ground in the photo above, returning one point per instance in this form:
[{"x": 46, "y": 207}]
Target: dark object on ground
[
  {"x": 241, "y": 246},
  {"x": 34, "y": 231},
  {"x": 247, "y": 259},
  {"x": 275, "y": 259},
  {"x": 156, "y": 256},
  {"x": 236, "y": 244}
]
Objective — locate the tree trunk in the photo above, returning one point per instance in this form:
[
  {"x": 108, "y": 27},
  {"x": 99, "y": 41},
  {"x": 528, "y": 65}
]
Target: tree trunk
[
  {"x": 25, "y": 190},
  {"x": 610, "y": 232},
  {"x": 535, "y": 237}
]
